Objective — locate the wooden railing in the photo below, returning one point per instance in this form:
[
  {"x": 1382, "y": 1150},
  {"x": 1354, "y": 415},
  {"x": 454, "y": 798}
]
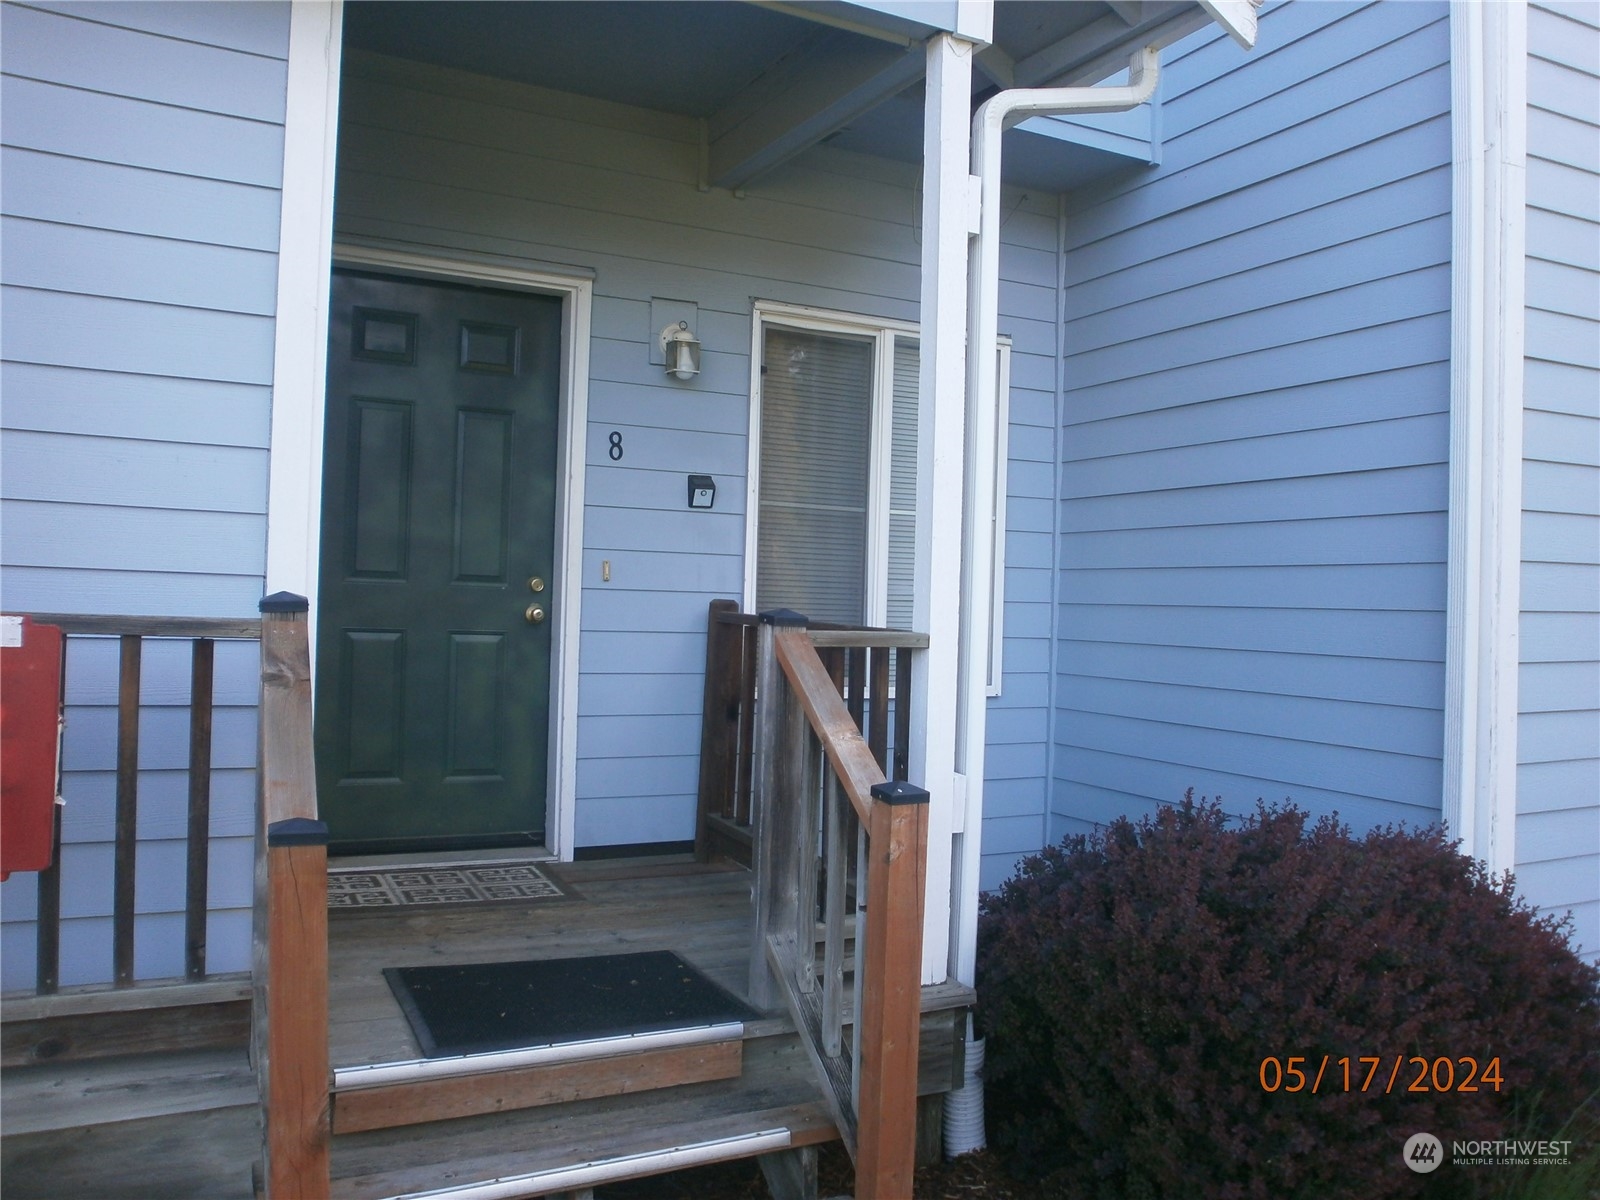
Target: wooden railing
[
  {"x": 290, "y": 1013},
  {"x": 819, "y": 786},
  {"x": 202, "y": 633},
  {"x": 861, "y": 669}
]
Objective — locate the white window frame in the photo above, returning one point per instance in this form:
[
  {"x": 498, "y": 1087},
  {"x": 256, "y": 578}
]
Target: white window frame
[{"x": 883, "y": 333}]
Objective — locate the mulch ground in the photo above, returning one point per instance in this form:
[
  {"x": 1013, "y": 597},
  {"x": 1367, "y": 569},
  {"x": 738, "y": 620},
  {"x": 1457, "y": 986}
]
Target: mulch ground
[{"x": 971, "y": 1177}]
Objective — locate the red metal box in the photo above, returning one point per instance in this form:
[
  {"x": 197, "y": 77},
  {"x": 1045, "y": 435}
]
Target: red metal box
[{"x": 30, "y": 742}]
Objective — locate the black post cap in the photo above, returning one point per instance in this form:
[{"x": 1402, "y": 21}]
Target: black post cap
[
  {"x": 784, "y": 618},
  {"x": 284, "y": 602},
  {"x": 898, "y": 791},
  {"x": 297, "y": 831}
]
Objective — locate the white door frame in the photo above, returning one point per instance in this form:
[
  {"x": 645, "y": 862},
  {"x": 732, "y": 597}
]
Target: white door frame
[{"x": 566, "y": 592}]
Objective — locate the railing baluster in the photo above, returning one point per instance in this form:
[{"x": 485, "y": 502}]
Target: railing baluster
[
  {"x": 856, "y": 699},
  {"x": 744, "y": 785},
  {"x": 878, "y": 724},
  {"x": 835, "y": 858},
  {"x": 902, "y": 716},
  {"x": 47, "y": 972},
  {"x": 808, "y": 831},
  {"x": 127, "y": 820},
  {"x": 201, "y": 695},
  {"x": 780, "y": 774}
]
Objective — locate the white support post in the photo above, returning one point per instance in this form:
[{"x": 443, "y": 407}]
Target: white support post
[
  {"x": 946, "y": 211},
  {"x": 1489, "y": 110},
  {"x": 305, "y": 255}
]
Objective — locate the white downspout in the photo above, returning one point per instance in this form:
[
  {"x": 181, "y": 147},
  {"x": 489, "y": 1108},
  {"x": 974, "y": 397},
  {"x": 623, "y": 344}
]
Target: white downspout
[{"x": 991, "y": 120}]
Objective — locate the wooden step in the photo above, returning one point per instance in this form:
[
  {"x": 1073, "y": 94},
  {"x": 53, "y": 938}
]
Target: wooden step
[
  {"x": 773, "y": 1104},
  {"x": 417, "y": 1091},
  {"x": 581, "y": 1176}
]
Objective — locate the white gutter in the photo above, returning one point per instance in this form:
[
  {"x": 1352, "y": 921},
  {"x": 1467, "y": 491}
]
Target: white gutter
[{"x": 997, "y": 114}]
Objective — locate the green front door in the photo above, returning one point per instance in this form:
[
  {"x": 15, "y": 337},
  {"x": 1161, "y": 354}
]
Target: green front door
[{"x": 436, "y": 593}]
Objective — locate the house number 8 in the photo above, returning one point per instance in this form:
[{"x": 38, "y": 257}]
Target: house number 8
[{"x": 616, "y": 446}]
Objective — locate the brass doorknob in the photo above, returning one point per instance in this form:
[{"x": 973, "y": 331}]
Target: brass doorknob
[{"x": 533, "y": 614}]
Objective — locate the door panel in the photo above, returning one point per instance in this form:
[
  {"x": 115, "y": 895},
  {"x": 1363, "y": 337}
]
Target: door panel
[{"x": 438, "y": 508}]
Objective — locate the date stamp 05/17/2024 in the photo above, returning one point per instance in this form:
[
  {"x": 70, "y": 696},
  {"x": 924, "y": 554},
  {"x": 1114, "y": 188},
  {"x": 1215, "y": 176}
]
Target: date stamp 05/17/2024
[{"x": 1379, "y": 1073}]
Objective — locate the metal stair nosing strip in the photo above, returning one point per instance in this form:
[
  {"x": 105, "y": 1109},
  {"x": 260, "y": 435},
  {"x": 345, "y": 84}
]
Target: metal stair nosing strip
[
  {"x": 610, "y": 1170},
  {"x": 355, "y": 1078}
]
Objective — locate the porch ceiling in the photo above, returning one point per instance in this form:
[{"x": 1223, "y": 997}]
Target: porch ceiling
[{"x": 772, "y": 79}]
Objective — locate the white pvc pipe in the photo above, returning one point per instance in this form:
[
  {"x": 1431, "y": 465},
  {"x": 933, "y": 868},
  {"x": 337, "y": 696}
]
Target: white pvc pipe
[
  {"x": 991, "y": 120},
  {"x": 963, "y": 1108}
]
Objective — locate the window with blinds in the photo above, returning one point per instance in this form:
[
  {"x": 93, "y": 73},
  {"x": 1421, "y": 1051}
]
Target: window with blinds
[
  {"x": 816, "y": 474},
  {"x": 836, "y": 498}
]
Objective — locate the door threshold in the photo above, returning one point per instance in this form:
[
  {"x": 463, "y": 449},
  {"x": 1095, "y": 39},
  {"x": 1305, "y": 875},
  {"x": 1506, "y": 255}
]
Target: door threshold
[{"x": 442, "y": 858}]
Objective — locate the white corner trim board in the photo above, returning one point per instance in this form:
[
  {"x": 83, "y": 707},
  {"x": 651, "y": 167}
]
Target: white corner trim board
[
  {"x": 946, "y": 211},
  {"x": 305, "y": 251},
  {"x": 1489, "y": 109}
]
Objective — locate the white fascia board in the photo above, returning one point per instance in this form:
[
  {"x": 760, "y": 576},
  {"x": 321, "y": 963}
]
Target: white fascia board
[
  {"x": 1101, "y": 49},
  {"x": 1238, "y": 17}
]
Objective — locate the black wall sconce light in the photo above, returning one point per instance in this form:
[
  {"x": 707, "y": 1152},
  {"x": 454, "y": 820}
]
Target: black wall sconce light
[{"x": 702, "y": 491}]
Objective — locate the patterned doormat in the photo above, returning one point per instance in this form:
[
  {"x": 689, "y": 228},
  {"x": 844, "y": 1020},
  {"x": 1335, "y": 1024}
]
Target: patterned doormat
[{"x": 476, "y": 883}]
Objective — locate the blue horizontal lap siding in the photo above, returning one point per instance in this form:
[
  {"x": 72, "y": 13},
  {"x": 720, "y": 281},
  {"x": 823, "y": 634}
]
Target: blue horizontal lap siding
[
  {"x": 107, "y": 196},
  {"x": 1255, "y": 439},
  {"x": 1015, "y": 802},
  {"x": 446, "y": 158},
  {"x": 1558, "y": 736},
  {"x": 142, "y": 156}
]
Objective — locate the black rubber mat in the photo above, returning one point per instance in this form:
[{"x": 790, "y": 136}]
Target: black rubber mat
[{"x": 540, "y": 1002}]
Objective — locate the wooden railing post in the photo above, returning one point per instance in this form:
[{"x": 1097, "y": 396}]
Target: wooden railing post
[
  {"x": 291, "y": 1011},
  {"x": 890, "y": 1016},
  {"x": 719, "y": 728}
]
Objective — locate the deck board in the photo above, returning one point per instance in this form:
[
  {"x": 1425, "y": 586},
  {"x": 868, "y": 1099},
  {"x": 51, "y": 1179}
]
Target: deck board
[
  {"x": 102, "y": 1091},
  {"x": 702, "y": 915},
  {"x": 181, "y": 1156}
]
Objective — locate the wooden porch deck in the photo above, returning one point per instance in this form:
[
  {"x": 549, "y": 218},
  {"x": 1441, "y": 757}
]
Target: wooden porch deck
[
  {"x": 609, "y": 907},
  {"x": 182, "y": 1125}
]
